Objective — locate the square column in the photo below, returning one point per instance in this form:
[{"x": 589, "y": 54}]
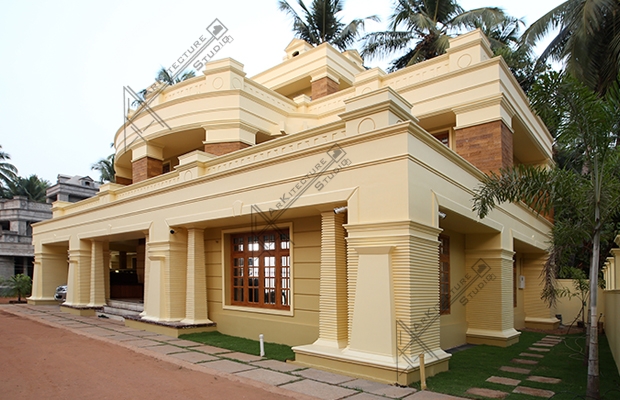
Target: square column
[
  {"x": 50, "y": 271},
  {"x": 489, "y": 299},
  {"x": 196, "y": 284},
  {"x": 537, "y": 314},
  {"x": 333, "y": 313},
  {"x": 165, "y": 279},
  {"x": 78, "y": 284},
  {"x": 97, "y": 275}
]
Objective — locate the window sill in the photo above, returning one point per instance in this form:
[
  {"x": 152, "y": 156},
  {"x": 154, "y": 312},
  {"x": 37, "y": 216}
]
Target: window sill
[{"x": 258, "y": 310}]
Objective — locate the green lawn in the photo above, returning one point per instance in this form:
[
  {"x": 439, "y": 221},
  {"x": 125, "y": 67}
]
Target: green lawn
[
  {"x": 471, "y": 367},
  {"x": 272, "y": 350}
]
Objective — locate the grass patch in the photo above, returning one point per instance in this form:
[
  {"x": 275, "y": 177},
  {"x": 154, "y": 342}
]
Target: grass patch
[
  {"x": 272, "y": 350},
  {"x": 471, "y": 367}
]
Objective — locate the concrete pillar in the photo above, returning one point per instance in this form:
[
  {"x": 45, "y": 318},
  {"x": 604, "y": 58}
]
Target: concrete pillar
[
  {"x": 489, "y": 301},
  {"x": 106, "y": 269},
  {"x": 165, "y": 284},
  {"x": 50, "y": 271},
  {"x": 538, "y": 315},
  {"x": 323, "y": 86},
  {"x": 333, "y": 314},
  {"x": 97, "y": 275},
  {"x": 146, "y": 162},
  {"x": 196, "y": 285},
  {"x": 78, "y": 285}
]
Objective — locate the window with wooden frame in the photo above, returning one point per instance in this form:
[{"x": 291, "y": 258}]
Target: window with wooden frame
[
  {"x": 444, "y": 274},
  {"x": 261, "y": 269}
]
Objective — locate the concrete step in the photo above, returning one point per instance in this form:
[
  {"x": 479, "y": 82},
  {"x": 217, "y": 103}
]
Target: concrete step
[
  {"x": 126, "y": 305},
  {"x": 119, "y": 311}
]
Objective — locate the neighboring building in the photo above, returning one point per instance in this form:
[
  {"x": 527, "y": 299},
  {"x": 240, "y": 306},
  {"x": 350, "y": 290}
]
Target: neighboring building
[
  {"x": 16, "y": 249},
  {"x": 228, "y": 211},
  {"x": 72, "y": 189}
]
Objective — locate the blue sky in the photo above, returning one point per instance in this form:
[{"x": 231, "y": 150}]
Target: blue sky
[{"x": 64, "y": 64}]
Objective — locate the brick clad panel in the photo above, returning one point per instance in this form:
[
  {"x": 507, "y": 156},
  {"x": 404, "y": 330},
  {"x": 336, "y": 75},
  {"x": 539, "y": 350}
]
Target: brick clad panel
[
  {"x": 487, "y": 146},
  {"x": 219, "y": 149},
  {"x": 322, "y": 87},
  {"x": 145, "y": 168}
]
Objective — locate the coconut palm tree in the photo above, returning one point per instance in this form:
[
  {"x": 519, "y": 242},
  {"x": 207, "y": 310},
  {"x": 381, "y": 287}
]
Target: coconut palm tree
[
  {"x": 105, "y": 166},
  {"x": 587, "y": 42},
  {"x": 586, "y": 200},
  {"x": 33, "y": 188},
  {"x": 164, "y": 77},
  {"x": 321, "y": 24},
  {"x": 422, "y": 28},
  {"x": 7, "y": 172}
]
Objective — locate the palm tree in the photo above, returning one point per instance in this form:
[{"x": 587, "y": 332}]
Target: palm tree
[
  {"x": 587, "y": 42},
  {"x": 586, "y": 200},
  {"x": 422, "y": 29},
  {"x": 33, "y": 188},
  {"x": 105, "y": 166},
  {"x": 321, "y": 24},
  {"x": 7, "y": 172},
  {"x": 164, "y": 77}
]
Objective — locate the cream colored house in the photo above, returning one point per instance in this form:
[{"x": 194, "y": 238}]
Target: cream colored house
[{"x": 229, "y": 210}]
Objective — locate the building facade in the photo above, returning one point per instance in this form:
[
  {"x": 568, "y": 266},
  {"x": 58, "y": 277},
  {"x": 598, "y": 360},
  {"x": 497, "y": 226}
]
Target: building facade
[
  {"x": 323, "y": 205},
  {"x": 16, "y": 218},
  {"x": 72, "y": 189}
]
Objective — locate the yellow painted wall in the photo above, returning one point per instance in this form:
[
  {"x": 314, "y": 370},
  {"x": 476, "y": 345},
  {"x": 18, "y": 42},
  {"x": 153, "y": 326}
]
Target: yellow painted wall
[
  {"x": 611, "y": 307},
  {"x": 454, "y": 325},
  {"x": 569, "y": 308},
  {"x": 300, "y": 328}
]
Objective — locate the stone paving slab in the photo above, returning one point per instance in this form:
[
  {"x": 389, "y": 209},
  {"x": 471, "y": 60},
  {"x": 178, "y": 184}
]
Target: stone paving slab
[
  {"x": 142, "y": 343},
  {"x": 166, "y": 349},
  {"x": 318, "y": 389},
  {"x": 490, "y": 393},
  {"x": 504, "y": 381},
  {"x": 182, "y": 343},
  {"x": 538, "y": 349},
  {"x": 122, "y": 328},
  {"x": 531, "y": 355},
  {"x": 534, "y": 392},
  {"x": 322, "y": 376},
  {"x": 227, "y": 366},
  {"x": 543, "y": 379},
  {"x": 277, "y": 365},
  {"x": 99, "y": 331},
  {"x": 378, "y": 388},
  {"x": 540, "y": 344},
  {"x": 242, "y": 357},
  {"x": 142, "y": 333},
  {"x": 365, "y": 396},
  {"x": 515, "y": 370},
  {"x": 522, "y": 361},
  {"x": 193, "y": 357},
  {"x": 268, "y": 377},
  {"x": 554, "y": 337},
  {"x": 211, "y": 349},
  {"x": 121, "y": 337}
]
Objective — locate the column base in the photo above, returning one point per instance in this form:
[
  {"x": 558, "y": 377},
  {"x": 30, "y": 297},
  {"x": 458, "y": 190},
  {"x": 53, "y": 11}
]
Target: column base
[
  {"x": 83, "y": 311},
  {"x": 368, "y": 366},
  {"x": 493, "y": 338},
  {"x": 172, "y": 329},
  {"x": 546, "y": 324},
  {"x": 42, "y": 302}
]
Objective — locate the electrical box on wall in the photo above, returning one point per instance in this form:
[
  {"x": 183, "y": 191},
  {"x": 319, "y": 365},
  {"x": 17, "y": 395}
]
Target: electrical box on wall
[{"x": 521, "y": 282}]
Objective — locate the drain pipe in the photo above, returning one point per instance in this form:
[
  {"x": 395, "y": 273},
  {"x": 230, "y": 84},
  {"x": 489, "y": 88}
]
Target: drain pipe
[
  {"x": 422, "y": 373},
  {"x": 262, "y": 345}
]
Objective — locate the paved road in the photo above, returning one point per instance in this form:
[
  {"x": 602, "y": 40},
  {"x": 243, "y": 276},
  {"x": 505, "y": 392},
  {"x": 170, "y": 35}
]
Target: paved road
[{"x": 38, "y": 361}]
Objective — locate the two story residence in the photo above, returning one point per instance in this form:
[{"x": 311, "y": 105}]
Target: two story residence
[{"x": 322, "y": 204}]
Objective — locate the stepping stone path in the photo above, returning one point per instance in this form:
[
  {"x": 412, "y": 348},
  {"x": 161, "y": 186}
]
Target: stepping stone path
[{"x": 541, "y": 348}]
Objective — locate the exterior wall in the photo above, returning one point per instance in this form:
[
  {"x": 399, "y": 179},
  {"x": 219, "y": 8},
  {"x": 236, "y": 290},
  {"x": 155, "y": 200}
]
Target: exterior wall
[
  {"x": 7, "y": 267},
  {"x": 519, "y": 313},
  {"x": 219, "y": 149},
  {"x": 612, "y": 322},
  {"x": 323, "y": 87},
  {"x": 569, "y": 308},
  {"x": 488, "y": 146},
  {"x": 537, "y": 313},
  {"x": 145, "y": 168},
  {"x": 454, "y": 326},
  {"x": 302, "y": 325}
]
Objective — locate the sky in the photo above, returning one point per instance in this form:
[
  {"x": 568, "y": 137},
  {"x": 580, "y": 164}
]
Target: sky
[{"x": 63, "y": 64}]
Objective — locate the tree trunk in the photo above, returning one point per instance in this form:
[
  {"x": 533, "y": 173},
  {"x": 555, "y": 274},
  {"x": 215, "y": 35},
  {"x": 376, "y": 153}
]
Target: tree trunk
[
  {"x": 592, "y": 391},
  {"x": 586, "y": 325}
]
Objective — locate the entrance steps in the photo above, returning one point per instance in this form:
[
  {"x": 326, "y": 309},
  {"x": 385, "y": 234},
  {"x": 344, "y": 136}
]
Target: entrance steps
[{"x": 119, "y": 309}]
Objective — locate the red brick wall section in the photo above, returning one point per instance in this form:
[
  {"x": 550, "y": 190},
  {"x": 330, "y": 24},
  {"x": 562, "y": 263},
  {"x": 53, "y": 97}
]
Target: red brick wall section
[
  {"x": 487, "y": 146},
  {"x": 122, "y": 181},
  {"x": 219, "y": 149},
  {"x": 323, "y": 87},
  {"x": 145, "y": 168}
]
